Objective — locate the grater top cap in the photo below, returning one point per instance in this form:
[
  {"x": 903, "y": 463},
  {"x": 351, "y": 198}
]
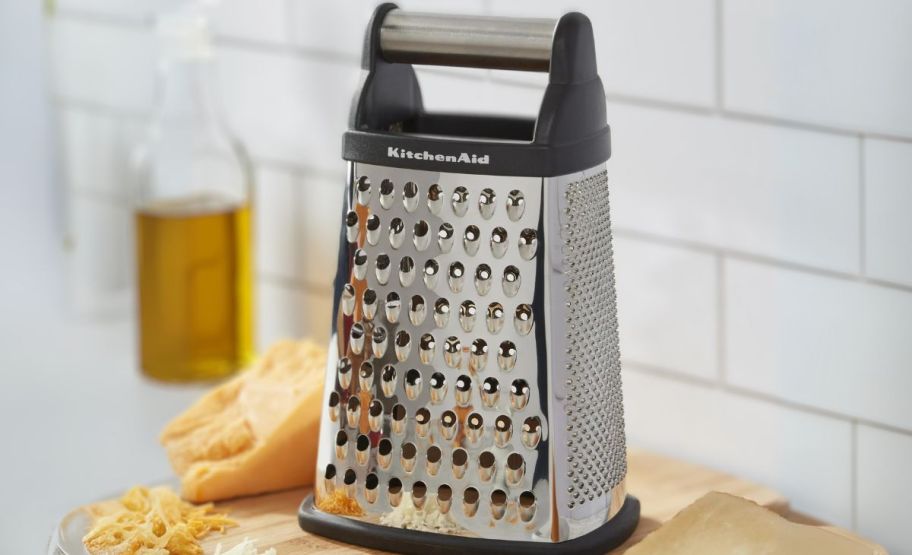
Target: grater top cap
[{"x": 389, "y": 125}]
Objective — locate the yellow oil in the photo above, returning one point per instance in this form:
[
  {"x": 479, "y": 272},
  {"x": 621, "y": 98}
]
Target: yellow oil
[{"x": 195, "y": 288}]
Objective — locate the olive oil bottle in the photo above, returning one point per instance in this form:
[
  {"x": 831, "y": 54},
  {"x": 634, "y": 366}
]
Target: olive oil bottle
[{"x": 192, "y": 203}]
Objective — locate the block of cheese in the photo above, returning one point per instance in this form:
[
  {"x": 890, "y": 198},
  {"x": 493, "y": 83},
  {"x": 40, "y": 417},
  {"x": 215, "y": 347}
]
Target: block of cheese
[
  {"x": 723, "y": 524},
  {"x": 255, "y": 433}
]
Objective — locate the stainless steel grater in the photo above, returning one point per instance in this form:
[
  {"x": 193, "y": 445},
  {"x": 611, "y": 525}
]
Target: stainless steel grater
[{"x": 473, "y": 394}]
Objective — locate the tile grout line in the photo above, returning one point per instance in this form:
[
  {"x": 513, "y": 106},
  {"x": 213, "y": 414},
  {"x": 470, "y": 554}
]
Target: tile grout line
[
  {"x": 332, "y": 56},
  {"x": 705, "y": 248},
  {"x": 297, "y": 226},
  {"x": 719, "y": 55},
  {"x": 853, "y": 465},
  {"x": 677, "y": 376},
  {"x": 862, "y": 208},
  {"x": 721, "y": 319}
]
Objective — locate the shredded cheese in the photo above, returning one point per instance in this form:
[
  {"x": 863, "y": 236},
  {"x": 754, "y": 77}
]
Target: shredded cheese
[
  {"x": 428, "y": 519},
  {"x": 339, "y": 503},
  {"x": 246, "y": 547},
  {"x": 152, "y": 521}
]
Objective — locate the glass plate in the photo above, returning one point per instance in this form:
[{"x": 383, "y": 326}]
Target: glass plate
[{"x": 67, "y": 537}]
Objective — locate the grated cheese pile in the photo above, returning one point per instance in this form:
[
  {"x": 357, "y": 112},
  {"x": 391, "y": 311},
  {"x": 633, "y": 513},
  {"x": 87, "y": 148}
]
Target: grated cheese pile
[
  {"x": 428, "y": 519},
  {"x": 338, "y": 503},
  {"x": 152, "y": 521}
]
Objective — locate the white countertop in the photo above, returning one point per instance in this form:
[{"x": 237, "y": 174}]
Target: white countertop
[{"x": 78, "y": 419}]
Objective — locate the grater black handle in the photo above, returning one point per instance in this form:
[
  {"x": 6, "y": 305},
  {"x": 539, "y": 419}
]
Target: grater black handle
[{"x": 571, "y": 131}]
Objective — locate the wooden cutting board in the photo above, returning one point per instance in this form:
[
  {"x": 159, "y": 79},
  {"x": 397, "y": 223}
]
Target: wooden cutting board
[{"x": 663, "y": 485}]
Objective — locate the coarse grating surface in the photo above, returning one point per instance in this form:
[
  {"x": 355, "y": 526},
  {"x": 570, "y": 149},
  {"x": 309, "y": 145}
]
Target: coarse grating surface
[
  {"x": 434, "y": 407},
  {"x": 596, "y": 442}
]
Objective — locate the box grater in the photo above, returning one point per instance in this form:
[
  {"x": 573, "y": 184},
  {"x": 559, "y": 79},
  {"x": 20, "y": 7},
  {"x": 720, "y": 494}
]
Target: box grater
[{"x": 473, "y": 393}]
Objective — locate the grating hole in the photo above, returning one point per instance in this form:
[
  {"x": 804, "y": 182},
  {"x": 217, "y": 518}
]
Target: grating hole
[
  {"x": 486, "y": 203},
  {"x": 519, "y": 394},
  {"x": 444, "y": 492},
  {"x": 470, "y": 495},
  {"x": 460, "y": 457},
  {"x": 395, "y": 485},
  {"x": 330, "y": 472},
  {"x": 385, "y": 447},
  {"x": 526, "y": 499},
  {"x": 486, "y": 459},
  {"x": 387, "y": 187},
  {"x": 457, "y": 270},
  {"x": 531, "y": 432},
  {"x": 350, "y": 477},
  {"x": 422, "y": 415},
  {"x": 516, "y": 205},
  {"x": 490, "y": 391},
  {"x": 434, "y": 454},
  {"x": 367, "y": 369},
  {"x": 459, "y": 200},
  {"x": 434, "y": 198},
  {"x": 448, "y": 418},
  {"x": 399, "y": 412}
]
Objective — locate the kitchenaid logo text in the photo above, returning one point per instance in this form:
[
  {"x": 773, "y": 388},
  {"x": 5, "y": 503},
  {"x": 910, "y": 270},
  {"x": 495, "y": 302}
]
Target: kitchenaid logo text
[{"x": 462, "y": 158}]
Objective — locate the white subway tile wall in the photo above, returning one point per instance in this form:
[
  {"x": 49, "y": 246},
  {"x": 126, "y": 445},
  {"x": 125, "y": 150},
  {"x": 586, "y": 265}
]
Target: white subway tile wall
[
  {"x": 831, "y": 64},
  {"x": 749, "y": 187},
  {"x": 760, "y": 176},
  {"x": 666, "y": 306},
  {"x": 888, "y": 199},
  {"x": 883, "y": 459},
  {"x": 829, "y": 343},
  {"x": 807, "y": 456}
]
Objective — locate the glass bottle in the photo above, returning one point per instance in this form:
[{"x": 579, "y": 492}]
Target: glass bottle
[{"x": 192, "y": 203}]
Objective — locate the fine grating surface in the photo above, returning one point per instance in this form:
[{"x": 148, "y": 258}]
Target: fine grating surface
[{"x": 595, "y": 412}]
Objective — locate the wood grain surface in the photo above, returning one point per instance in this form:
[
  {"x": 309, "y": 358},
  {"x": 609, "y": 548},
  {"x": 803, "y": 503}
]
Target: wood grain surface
[{"x": 663, "y": 485}]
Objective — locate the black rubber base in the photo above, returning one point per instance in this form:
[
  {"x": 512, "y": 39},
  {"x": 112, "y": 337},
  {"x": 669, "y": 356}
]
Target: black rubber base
[{"x": 349, "y": 530}]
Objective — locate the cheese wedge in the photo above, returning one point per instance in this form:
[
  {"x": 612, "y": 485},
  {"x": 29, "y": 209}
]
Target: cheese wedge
[
  {"x": 723, "y": 524},
  {"x": 255, "y": 433}
]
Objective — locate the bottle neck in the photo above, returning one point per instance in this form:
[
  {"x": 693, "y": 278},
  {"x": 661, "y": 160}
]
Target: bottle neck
[{"x": 187, "y": 92}]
